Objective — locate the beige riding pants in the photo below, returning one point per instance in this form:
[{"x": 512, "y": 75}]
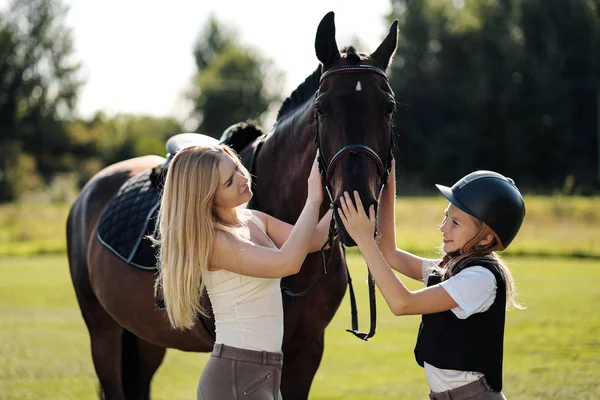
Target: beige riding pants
[
  {"x": 478, "y": 390},
  {"x": 238, "y": 374}
]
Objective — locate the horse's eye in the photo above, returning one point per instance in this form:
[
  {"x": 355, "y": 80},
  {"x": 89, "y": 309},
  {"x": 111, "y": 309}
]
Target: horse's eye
[{"x": 318, "y": 110}]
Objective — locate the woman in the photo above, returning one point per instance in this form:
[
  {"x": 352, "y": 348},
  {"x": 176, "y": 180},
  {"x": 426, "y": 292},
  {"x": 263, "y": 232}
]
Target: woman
[{"x": 208, "y": 239}]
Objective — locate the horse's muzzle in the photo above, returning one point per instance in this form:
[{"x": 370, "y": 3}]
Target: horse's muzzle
[{"x": 343, "y": 235}]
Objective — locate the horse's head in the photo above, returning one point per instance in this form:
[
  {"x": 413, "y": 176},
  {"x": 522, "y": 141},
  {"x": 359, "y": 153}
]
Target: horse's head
[{"x": 354, "y": 109}]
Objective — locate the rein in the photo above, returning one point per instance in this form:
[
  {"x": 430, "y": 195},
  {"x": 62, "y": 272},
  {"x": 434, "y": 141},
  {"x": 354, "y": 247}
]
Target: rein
[{"x": 326, "y": 170}]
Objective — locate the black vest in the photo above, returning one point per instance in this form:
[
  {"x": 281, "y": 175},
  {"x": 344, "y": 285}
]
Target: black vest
[{"x": 472, "y": 344}]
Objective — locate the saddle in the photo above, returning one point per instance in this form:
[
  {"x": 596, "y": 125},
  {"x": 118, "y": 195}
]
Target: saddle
[{"x": 131, "y": 215}]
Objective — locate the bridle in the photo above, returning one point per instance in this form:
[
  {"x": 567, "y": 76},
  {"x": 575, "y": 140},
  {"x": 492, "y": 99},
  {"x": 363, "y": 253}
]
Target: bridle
[{"x": 326, "y": 170}]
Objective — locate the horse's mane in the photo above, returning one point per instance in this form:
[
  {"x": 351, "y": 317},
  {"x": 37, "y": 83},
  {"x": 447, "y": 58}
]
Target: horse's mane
[
  {"x": 310, "y": 85},
  {"x": 303, "y": 92},
  {"x": 350, "y": 54}
]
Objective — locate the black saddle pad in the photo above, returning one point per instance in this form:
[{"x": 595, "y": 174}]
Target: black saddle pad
[{"x": 128, "y": 218}]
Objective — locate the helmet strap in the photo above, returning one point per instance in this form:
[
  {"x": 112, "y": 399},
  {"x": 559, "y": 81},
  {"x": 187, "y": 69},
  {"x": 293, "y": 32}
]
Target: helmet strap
[{"x": 450, "y": 260}]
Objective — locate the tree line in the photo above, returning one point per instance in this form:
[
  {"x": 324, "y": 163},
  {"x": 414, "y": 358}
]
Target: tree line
[{"x": 507, "y": 85}]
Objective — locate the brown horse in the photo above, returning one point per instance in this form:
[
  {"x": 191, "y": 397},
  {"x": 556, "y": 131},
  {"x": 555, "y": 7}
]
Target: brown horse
[{"x": 346, "y": 109}]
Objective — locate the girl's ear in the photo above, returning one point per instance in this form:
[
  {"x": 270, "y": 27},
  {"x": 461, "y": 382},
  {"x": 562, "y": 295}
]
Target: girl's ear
[{"x": 486, "y": 240}]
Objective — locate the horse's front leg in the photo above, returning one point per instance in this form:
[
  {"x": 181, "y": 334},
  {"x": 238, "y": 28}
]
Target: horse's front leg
[{"x": 299, "y": 369}]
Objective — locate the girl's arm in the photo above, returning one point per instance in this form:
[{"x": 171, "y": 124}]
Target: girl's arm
[
  {"x": 402, "y": 261},
  {"x": 400, "y": 300}
]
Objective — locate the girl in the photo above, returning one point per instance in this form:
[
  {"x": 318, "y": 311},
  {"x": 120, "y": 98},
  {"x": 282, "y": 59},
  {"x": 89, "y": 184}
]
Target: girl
[
  {"x": 460, "y": 340},
  {"x": 208, "y": 239}
]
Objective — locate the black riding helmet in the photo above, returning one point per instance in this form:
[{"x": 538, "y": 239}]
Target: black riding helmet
[{"x": 491, "y": 198}]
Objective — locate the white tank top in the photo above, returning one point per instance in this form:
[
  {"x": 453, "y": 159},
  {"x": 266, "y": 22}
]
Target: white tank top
[{"x": 248, "y": 311}]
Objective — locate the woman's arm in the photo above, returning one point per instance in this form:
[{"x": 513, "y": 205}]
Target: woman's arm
[
  {"x": 250, "y": 259},
  {"x": 399, "y": 299},
  {"x": 279, "y": 231},
  {"x": 404, "y": 262}
]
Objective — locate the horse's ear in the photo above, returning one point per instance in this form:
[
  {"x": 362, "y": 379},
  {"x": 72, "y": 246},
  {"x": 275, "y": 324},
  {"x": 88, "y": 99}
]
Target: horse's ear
[
  {"x": 384, "y": 53},
  {"x": 325, "y": 44}
]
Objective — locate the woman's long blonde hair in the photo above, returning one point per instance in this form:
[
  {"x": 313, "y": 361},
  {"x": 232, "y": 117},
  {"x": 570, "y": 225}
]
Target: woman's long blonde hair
[
  {"x": 187, "y": 224},
  {"x": 474, "y": 252}
]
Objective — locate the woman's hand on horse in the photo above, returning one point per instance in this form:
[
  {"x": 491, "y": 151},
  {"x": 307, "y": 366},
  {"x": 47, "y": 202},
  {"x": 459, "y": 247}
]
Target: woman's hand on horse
[
  {"x": 357, "y": 223},
  {"x": 315, "y": 187}
]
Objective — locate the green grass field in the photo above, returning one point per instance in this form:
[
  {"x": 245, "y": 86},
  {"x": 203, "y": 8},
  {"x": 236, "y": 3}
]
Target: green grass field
[
  {"x": 554, "y": 226},
  {"x": 552, "y": 347}
]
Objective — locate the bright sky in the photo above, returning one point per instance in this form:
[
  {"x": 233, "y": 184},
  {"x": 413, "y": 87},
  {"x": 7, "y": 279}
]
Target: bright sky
[{"x": 137, "y": 54}]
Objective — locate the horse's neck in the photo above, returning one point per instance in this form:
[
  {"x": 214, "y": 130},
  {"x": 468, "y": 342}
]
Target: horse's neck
[
  {"x": 292, "y": 145},
  {"x": 294, "y": 136},
  {"x": 287, "y": 153}
]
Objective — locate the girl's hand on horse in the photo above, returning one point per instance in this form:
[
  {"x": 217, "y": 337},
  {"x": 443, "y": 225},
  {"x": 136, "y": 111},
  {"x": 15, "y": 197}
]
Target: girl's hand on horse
[
  {"x": 357, "y": 223},
  {"x": 315, "y": 186},
  {"x": 391, "y": 180}
]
